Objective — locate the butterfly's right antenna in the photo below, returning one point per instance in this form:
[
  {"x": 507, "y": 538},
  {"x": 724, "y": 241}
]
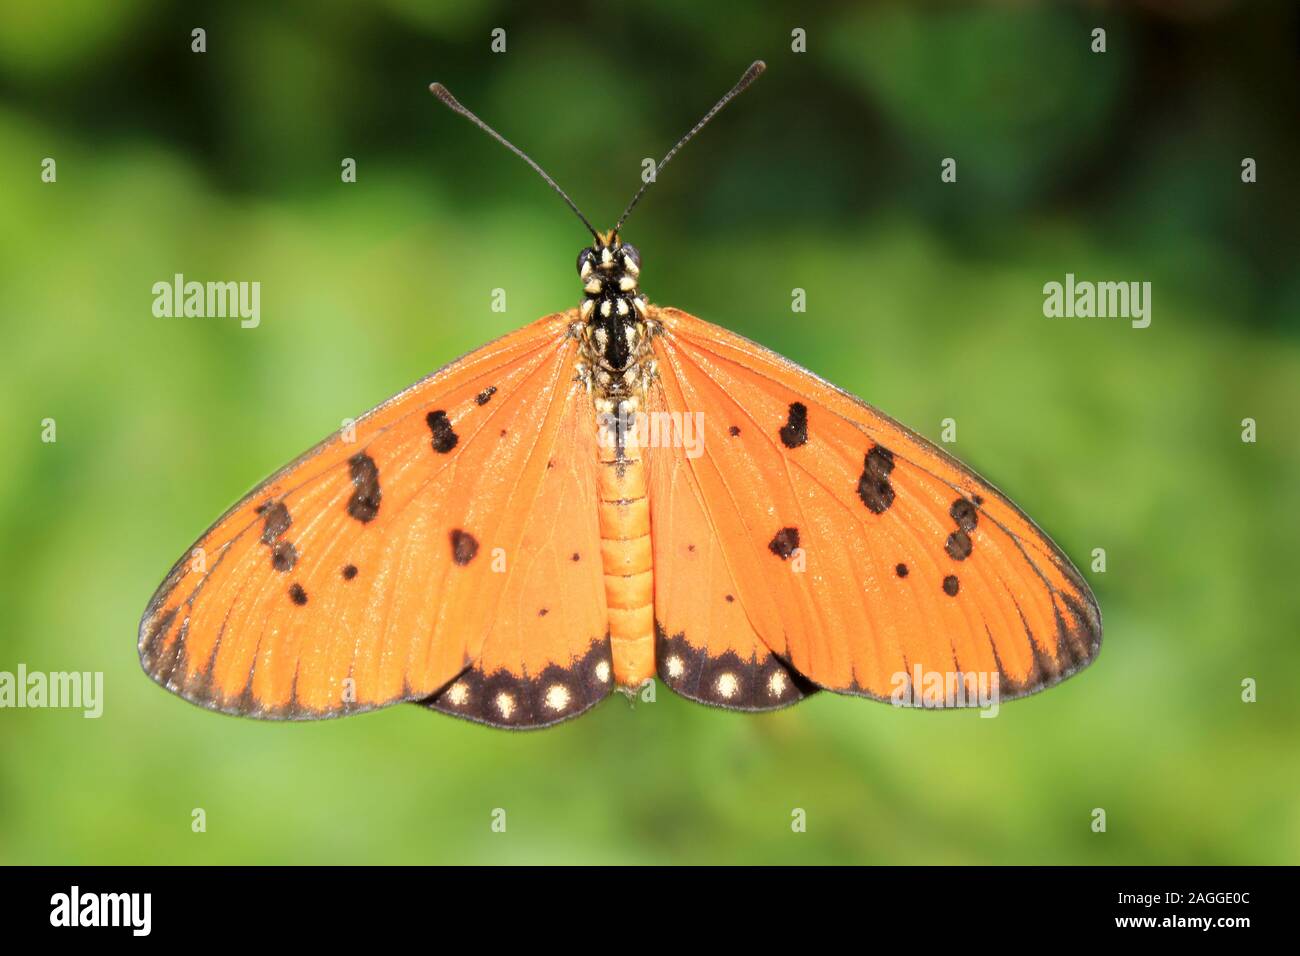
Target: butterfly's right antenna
[
  {"x": 453, "y": 104},
  {"x": 754, "y": 72}
]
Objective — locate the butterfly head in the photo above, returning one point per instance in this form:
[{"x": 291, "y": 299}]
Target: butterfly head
[
  {"x": 609, "y": 265},
  {"x": 610, "y": 271}
]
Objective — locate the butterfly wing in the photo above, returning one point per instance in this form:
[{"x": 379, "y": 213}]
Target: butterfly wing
[
  {"x": 546, "y": 655},
  {"x": 835, "y": 543},
  {"x": 381, "y": 566},
  {"x": 707, "y": 647}
]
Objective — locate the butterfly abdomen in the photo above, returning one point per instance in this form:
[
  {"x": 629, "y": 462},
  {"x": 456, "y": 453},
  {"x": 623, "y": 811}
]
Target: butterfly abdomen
[{"x": 625, "y": 550}]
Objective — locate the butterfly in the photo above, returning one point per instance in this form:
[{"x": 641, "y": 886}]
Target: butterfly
[{"x": 614, "y": 493}]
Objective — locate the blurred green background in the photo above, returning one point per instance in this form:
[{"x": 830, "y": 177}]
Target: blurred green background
[{"x": 923, "y": 297}]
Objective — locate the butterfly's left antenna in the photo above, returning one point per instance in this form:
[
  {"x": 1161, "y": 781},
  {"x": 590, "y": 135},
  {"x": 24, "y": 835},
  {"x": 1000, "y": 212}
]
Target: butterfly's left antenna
[
  {"x": 754, "y": 72},
  {"x": 444, "y": 94}
]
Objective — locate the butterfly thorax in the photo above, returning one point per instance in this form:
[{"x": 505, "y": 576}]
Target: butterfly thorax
[{"x": 615, "y": 340}]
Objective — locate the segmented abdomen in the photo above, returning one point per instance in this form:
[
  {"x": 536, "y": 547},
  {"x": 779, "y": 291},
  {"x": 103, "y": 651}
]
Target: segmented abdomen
[{"x": 627, "y": 557}]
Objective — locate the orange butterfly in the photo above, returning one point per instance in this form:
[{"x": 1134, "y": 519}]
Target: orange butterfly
[{"x": 614, "y": 492}]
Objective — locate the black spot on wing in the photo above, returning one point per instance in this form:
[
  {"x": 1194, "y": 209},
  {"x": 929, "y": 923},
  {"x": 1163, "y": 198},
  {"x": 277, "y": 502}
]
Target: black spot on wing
[
  {"x": 733, "y": 431},
  {"x": 874, "y": 487},
  {"x": 795, "y": 430},
  {"x": 283, "y": 556},
  {"x": 959, "y": 543},
  {"x": 275, "y": 520},
  {"x": 900, "y": 569},
  {"x": 349, "y": 572},
  {"x": 784, "y": 543},
  {"x": 525, "y": 702},
  {"x": 464, "y": 547},
  {"x": 485, "y": 396},
  {"x": 951, "y": 585},
  {"x": 958, "y": 546},
  {"x": 444, "y": 437},
  {"x": 364, "y": 503},
  {"x": 297, "y": 594},
  {"x": 963, "y": 512}
]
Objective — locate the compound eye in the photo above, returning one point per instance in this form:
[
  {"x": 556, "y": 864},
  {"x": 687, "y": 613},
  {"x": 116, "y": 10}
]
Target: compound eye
[
  {"x": 631, "y": 257},
  {"x": 584, "y": 257}
]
